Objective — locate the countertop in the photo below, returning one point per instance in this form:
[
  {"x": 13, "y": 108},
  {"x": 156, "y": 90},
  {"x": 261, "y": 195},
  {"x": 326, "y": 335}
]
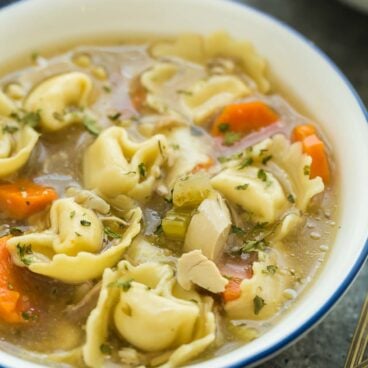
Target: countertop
[{"x": 342, "y": 33}]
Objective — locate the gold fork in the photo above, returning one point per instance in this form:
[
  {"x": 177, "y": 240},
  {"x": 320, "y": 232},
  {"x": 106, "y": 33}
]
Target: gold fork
[{"x": 359, "y": 343}]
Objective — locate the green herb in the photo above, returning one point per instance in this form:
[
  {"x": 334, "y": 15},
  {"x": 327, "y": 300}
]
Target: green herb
[
  {"x": 85, "y": 223},
  {"x": 15, "y": 231},
  {"x": 160, "y": 148},
  {"x": 105, "y": 349},
  {"x": 114, "y": 117},
  {"x": 91, "y": 125},
  {"x": 194, "y": 301},
  {"x": 107, "y": 89},
  {"x": 307, "y": 170},
  {"x": 72, "y": 214},
  {"x": 242, "y": 187},
  {"x": 35, "y": 55},
  {"x": 254, "y": 246},
  {"x": 110, "y": 233},
  {"x": 258, "y": 304},
  {"x": 125, "y": 285},
  {"x": 262, "y": 175},
  {"x": 175, "y": 147},
  {"x": 230, "y": 138},
  {"x": 224, "y": 127},
  {"x": 10, "y": 129},
  {"x": 183, "y": 92},
  {"x": 246, "y": 162},
  {"x": 142, "y": 170},
  {"x": 266, "y": 159},
  {"x": 78, "y": 234},
  {"x": 25, "y": 253},
  {"x": 29, "y": 316},
  {"x": 291, "y": 198},
  {"x": 32, "y": 118},
  {"x": 58, "y": 116},
  {"x": 237, "y": 230},
  {"x": 270, "y": 269}
]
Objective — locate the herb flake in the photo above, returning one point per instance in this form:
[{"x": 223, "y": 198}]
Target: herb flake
[
  {"x": 91, "y": 125},
  {"x": 142, "y": 170},
  {"x": 258, "y": 304},
  {"x": 110, "y": 233},
  {"x": 242, "y": 186}
]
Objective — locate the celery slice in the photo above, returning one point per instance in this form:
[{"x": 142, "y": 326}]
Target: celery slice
[{"x": 175, "y": 224}]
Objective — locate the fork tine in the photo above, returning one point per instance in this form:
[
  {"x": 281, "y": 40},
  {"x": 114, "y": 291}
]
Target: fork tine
[{"x": 359, "y": 341}]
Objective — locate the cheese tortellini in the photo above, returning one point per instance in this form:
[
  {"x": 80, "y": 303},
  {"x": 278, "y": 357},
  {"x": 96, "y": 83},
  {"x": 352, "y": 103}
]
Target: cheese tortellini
[
  {"x": 16, "y": 145},
  {"x": 152, "y": 312},
  {"x": 74, "y": 242},
  {"x": 115, "y": 165},
  {"x": 53, "y": 98}
]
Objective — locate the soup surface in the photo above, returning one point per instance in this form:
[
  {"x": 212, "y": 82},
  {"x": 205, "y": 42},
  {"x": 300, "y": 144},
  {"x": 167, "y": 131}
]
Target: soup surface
[{"x": 160, "y": 203}]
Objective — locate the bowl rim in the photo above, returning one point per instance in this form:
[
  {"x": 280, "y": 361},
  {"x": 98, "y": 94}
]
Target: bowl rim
[{"x": 322, "y": 312}]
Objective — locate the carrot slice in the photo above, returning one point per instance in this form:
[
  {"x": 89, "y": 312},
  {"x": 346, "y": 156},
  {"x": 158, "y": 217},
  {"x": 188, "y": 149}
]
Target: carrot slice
[
  {"x": 12, "y": 302},
  {"x": 24, "y": 198},
  {"x": 315, "y": 148},
  {"x": 243, "y": 118},
  {"x": 232, "y": 289},
  {"x": 301, "y": 132},
  {"x": 203, "y": 166}
]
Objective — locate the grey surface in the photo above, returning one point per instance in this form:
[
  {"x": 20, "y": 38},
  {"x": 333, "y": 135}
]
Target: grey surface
[{"x": 343, "y": 34}]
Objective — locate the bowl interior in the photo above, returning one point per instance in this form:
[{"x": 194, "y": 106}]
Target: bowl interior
[{"x": 303, "y": 70}]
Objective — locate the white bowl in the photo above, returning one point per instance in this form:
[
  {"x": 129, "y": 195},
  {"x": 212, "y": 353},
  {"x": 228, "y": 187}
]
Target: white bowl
[{"x": 307, "y": 73}]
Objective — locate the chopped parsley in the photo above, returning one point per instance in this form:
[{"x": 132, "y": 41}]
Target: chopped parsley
[
  {"x": 254, "y": 246},
  {"x": 35, "y": 55},
  {"x": 25, "y": 253},
  {"x": 85, "y": 223},
  {"x": 246, "y": 162},
  {"x": 91, "y": 125},
  {"x": 29, "y": 316},
  {"x": 110, "y": 233},
  {"x": 291, "y": 198},
  {"x": 184, "y": 92},
  {"x": 78, "y": 234},
  {"x": 237, "y": 230},
  {"x": 307, "y": 170},
  {"x": 224, "y": 127},
  {"x": 10, "y": 129},
  {"x": 107, "y": 89},
  {"x": 72, "y": 214},
  {"x": 32, "y": 118},
  {"x": 142, "y": 170},
  {"x": 242, "y": 187},
  {"x": 115, "y": 116},
  {"x": 125, "y": 285},
  {"x": 270, "y": 269},
  {"x": 105, "y": 349},
  {"x": 230, "y": 138},
  {"x": 175, "y": 147},
  {"x": 266, "y": 159},
  {"x": 15, "y": 231},
  {"x": 258, "y": 304},
  {"x": 262, "y": 175}
]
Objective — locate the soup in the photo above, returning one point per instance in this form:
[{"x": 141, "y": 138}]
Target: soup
[{"x": 160, "y": 203}]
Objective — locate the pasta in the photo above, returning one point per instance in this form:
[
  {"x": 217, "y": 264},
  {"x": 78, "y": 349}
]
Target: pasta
[{"x": 160, "y": 204}]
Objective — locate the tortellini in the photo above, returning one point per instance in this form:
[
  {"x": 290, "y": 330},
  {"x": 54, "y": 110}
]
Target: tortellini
[
  {"x": 207, "y": 96},
  {"x": 53, "y": 97},
  {"x": 260, "y": 195},
  {"x": 220, "y": 44},
  {"x": 74, "y": 242},
  {"x": 151, "y": 312},
  {"x": 16, "y": 145},
  {"x": 263, "y": 294},
  {"x": 116, "y": 165},
  {"x": 6, "y": 105}
]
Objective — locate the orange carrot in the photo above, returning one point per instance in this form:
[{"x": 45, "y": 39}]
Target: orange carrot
[
  {"x": 24, "y": 198},
  {"x": 12, "y": 303},
  {"x": 302, "y": 131},
  {"x": 203, "y": 165},
  {"x": 243, "y": 118},
  {"x": 315, "y": 148},
  {"x": 232, "y": 289}
]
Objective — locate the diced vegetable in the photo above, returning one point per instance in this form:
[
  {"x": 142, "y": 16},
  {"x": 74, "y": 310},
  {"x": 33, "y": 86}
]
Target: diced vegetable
[
  {"x": 315, "y": 148},
  {"x": 12, "y": 303},
  {"x": 243, "y": 118},
  {"x": 232, "y": 290},
  {"x": 300, "y": 132},
  {"x": 191, "y": 191},
  {"x": 175, "y": 224},
  {"x": 203, "y": 166},
  {"x": 24, "y": 198}
]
